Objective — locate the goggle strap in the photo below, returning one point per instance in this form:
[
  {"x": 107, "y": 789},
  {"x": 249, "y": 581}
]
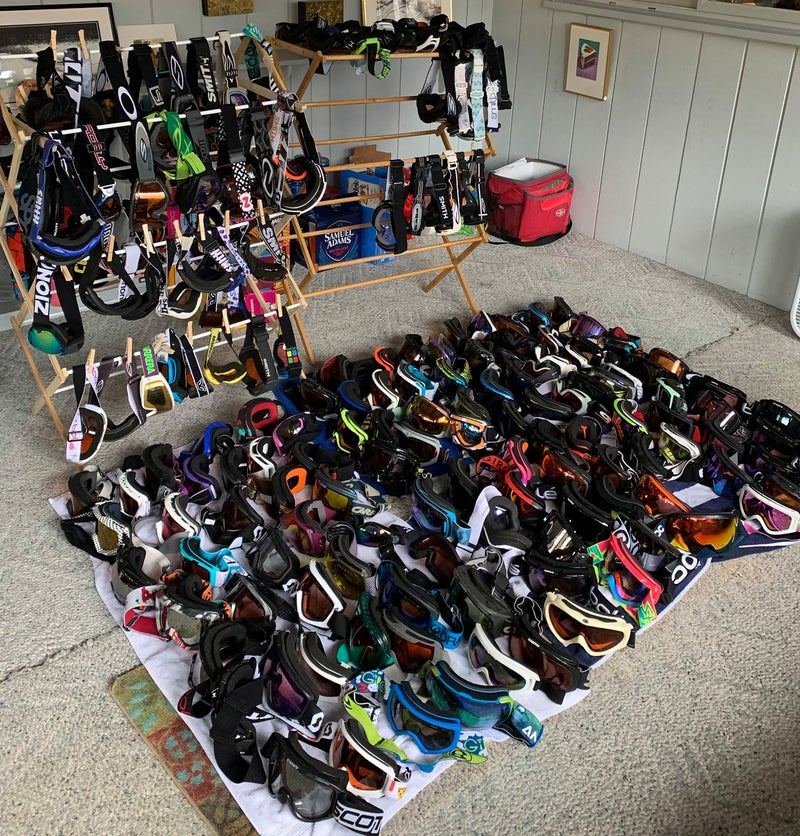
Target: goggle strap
[
  {"x": 228, "y": 719},
  {"x": 358, "y": 815}
]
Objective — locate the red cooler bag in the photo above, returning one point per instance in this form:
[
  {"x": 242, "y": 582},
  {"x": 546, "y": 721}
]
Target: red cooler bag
[{"x": 530, "y": 201}]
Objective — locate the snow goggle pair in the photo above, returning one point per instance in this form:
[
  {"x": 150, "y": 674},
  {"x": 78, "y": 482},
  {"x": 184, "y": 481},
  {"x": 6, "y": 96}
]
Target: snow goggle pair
[
  {"x": 371, "y": 772},
  {"x": 288, "y": 690},
  {"x": 480, "y": 706},
  {"x": 635, "y": 589},
  {"x": 774, "y": 505},
  {"x": 559, "y": 672},
  {"x": 314, "y": 790},
  {"x": 571, "y": 623},
  {"x": 435, "y": 513}
]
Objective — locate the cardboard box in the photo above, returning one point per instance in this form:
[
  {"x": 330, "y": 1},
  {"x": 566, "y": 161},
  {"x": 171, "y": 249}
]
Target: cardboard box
[{"x": 369, "y": 154}]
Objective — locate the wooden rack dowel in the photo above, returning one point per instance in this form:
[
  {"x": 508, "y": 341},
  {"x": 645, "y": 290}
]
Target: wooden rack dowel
[
  {"x": 346, "y": 102},
  {"x": 380, "y": 279},
  {"x": 424, "y": 248},
  {"x": 353, "y": 198},
  {"x": 356, "y": 140},
  {"x": 311, "y": 54}
]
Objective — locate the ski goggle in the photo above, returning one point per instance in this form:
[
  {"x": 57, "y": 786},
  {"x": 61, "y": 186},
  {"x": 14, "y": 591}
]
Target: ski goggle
[
  {"x": 148, "y": 206},
  {"x": 426, "y": 448},
  {"x": 352, "y": 496},
  {"x": 317, "y": 597},
  {"x": 381, "y": 392},
  {"x": 416, "y": 607},
  {"x": 472, "y": 433},
  {"x": 438, "y": 554},
  {"x": 556, "y": 469},
  {"x": 435, "y": 731},
  {"x": 472, "y": 594},
  {"x": 775, "y": 505},
  {"x": 496, "y": 667},
  {"x": 214, "y": 567},
  {"x": 435, "y": 513},
  {"x": 774, "y": 416},
  {"x": 480, "y": 706},
  {"x": 367, "y": 645},
  {"x": 272, "y": 560},
  {"x": 559, "y": 672},
  {"x": 723, "y": 473},
  {"x": 598, "y": 634},
  {"x": 634, "y": 588},
  {"x": 371, "y": 773},
  {"x": 393, "y": 468},
  {"x": 349, "y": 435},
  {"x": 676, "y": 447},
  {"x": 299, "y": 427},
  {"x": 287, "y": 689},
  {"x": 312, "y": 789},
  {"x": 657, "y": 498},
  {"x": 328, "y": 676},
  {"x": 431, "y": 417},
  {"x": 587, "y": 326},
  {"x": 318, "y": 399},
  {"x": 570, "y": 577},
  {"x": 694, "y": 531},
  {"x": 668, "y": 361},
  {"x": 410, "y": 647}
]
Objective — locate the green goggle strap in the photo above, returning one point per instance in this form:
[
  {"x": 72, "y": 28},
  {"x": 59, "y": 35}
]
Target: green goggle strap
[{"x": 188, "y": 162}]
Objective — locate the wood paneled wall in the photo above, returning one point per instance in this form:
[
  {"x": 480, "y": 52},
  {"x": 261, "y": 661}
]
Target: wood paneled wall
[{"x": 692, "y": 161}]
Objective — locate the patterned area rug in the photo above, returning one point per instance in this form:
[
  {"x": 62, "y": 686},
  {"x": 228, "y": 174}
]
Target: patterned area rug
[{"x": 179, "y": 752}]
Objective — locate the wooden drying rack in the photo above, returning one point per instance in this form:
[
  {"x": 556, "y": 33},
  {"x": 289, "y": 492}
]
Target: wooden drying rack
[
  {"x": 21, "y": 134},
  {"x": 449, "y": 243}
]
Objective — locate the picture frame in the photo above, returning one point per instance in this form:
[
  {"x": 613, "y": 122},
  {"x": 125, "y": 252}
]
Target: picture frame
[
  {"x": 421, "y": 10},
  {"x": 588, "y": 60},
  {"x": 24, "y": 30}
]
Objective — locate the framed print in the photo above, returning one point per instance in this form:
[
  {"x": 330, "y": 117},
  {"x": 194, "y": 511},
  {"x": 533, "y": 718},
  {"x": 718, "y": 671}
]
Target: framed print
[
  {"x": 588, "y": 60},
  {"x": 24, "y": 30},
  {"x": 423, "y": 10}
]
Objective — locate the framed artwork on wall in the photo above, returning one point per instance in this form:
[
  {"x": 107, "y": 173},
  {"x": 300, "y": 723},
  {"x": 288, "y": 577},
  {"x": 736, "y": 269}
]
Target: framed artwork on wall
[
  {"x": 588, "y": 60},
  {"x": 422, "y": 10},
  {"x": 24, "y": 30}
]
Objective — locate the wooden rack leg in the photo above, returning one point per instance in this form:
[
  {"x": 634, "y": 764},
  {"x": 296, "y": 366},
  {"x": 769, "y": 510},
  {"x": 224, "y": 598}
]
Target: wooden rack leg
[
  {"x": 456, "y": 260},
  {"x": 301, "y": 240},
  {"x": 48, "y": 401}
]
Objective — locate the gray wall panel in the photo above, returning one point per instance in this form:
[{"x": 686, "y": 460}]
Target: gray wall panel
[
  {"x": 776, "y": 268},
  {"x": 706, "y": 146},
  {"x": 671, "y": 100},
  {"x": 753, "y": 138},
  {"x": 588, "y": 149},
  {"x": 535, "y": 26},
  {"x": 559, "y": 107},
  {"x": 506, "y": 29},
  {"x": 630, "y": 103}
]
